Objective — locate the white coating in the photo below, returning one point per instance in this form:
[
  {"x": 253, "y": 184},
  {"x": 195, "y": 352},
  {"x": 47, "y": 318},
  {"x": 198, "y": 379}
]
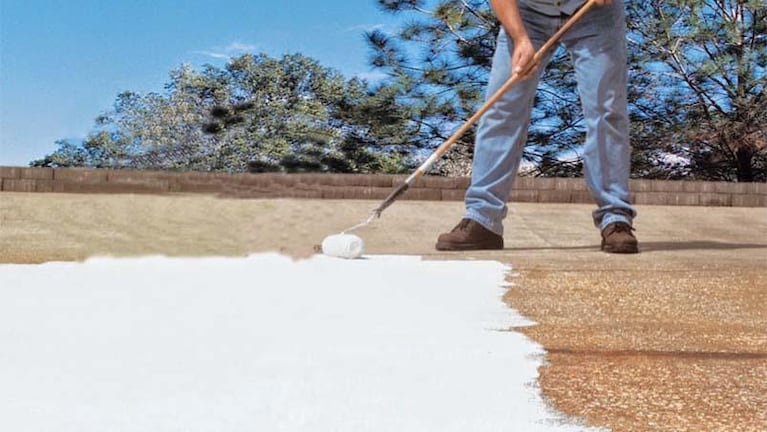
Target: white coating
[{"x": 265, "y": 343}]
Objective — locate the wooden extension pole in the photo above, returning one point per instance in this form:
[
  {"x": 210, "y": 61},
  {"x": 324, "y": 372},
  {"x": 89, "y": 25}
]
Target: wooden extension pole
[{"x": 513, "y": 80}]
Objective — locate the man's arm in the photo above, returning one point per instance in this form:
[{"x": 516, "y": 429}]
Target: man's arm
[{"x": 508, "y": 14}]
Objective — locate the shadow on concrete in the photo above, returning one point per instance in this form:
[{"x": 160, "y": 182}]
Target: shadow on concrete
[
  {"x": 650, "y": 246},
  {"x": 696, "y": 245},
  {"x": 553, "y": 248}
]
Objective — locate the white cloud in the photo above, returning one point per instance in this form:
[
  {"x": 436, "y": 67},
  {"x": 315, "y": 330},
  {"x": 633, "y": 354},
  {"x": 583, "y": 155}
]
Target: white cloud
[
  {"x": 371, "y": 76},
  {"x": 365, "y": 27},
  {"x": 216, "y": 55},
  {"x": 233, "y": 49},
  {"x": 240, "y": 47}
]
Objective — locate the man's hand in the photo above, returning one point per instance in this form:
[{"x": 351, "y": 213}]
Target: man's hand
[{"x": 523, "y": 55}]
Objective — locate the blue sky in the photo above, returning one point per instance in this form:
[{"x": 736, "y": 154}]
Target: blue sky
[{"x": 63, "y": 62}]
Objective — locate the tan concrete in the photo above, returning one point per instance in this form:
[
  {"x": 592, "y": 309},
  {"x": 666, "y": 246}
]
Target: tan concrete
[{"x": 672, "y": 339}]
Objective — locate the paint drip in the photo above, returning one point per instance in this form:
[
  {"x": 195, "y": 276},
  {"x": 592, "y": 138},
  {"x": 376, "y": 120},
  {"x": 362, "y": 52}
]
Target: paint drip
[{"x": 347, "y": 246}]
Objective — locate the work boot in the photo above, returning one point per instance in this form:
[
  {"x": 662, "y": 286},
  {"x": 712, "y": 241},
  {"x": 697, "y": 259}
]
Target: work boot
[
  {"x": 469, "y": 235},
  {"x": 618, "y": 238}
]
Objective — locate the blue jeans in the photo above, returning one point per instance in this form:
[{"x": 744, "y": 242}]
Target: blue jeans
[{"x": 598, "y": 49}]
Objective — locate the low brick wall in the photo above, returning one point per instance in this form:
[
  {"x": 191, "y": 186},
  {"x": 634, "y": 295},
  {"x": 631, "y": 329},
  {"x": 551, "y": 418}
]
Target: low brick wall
[{"x": 357, "y": 186}]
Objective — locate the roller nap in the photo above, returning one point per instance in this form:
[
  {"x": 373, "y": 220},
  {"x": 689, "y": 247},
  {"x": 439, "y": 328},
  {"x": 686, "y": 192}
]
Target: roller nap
[{"x": 347, "y": 246}]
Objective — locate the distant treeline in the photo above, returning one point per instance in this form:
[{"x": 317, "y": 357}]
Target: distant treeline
[{"x": 698, "y": 102}]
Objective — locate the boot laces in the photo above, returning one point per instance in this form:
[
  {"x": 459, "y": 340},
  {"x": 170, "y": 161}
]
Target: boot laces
[
  {"x": 622, "y": 227},
  {"x": 462, "y": 225}
]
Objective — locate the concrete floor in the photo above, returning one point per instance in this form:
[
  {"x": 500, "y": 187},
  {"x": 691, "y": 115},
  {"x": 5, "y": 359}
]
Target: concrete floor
[{"x": 672, "y": 339}]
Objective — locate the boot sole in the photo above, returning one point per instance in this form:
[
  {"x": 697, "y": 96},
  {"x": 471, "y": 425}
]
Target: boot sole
[
  {"x": 624, "y": 249},
  {"x": 441, "y": 246}
]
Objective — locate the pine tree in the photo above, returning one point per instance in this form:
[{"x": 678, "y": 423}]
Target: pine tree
[
  {"x": 705, "y": 94},
  {"x": 441, "y": 58}
]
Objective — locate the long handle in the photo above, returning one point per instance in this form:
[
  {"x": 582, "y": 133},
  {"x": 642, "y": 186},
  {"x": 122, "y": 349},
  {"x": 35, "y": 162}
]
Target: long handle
[{"x": 513, "y": 80}]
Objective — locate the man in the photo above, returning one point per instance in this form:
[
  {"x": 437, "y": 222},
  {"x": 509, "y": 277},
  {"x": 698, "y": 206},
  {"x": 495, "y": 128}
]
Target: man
[{"x": 598, "y": 49}]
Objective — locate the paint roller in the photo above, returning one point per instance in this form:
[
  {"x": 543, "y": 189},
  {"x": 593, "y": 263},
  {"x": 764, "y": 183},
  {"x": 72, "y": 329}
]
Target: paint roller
[{"x": 350, "y": 246}]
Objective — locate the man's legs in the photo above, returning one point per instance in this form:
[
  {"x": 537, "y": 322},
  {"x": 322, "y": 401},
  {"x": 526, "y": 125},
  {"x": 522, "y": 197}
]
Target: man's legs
[
  {"x": 502, "y": 131},
  {"x": 597, "y": 44},
  {"x": 598, "y": 50},
  {"x": 501, "y": 137}
]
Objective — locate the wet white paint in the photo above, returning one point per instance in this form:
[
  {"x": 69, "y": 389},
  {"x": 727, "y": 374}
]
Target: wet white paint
[{"x": 264, "y": 343}]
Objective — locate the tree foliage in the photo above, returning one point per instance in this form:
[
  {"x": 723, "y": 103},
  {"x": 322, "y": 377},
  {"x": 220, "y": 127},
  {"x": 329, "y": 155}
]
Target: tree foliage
[
  {"x": 697, "y": 84},
  {"x": 442, "y": 57},
  {"x": 697, "y": 100},
  {"x": 704, "y": 92},
  {"x": 301, "y": 117}
]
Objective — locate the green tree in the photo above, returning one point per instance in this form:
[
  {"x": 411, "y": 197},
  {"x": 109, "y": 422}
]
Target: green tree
[
  {"x": 704, "y": 95},
  {"x": 441, "y": 57},
  {"x": 301, "y": 116},
  {"x": 696, "y": 96}
]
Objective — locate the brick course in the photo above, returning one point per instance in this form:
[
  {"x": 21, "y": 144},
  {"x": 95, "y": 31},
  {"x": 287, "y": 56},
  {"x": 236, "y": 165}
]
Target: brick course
[{"x": 364, "y": 186}]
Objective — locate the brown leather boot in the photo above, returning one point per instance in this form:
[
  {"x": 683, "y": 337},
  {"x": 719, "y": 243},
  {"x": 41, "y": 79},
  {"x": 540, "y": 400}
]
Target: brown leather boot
[
  {"x": 469, "y": 235},
  {"x": 618, "y": 238}
]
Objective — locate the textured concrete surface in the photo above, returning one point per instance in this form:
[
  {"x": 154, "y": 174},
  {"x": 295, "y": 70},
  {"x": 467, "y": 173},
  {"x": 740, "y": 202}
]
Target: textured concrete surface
[{"x": 672, "y": 339}]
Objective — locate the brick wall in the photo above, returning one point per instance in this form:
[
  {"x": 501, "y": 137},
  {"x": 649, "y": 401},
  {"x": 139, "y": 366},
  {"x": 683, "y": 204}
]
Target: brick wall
[{"x": 354, "y": 186}]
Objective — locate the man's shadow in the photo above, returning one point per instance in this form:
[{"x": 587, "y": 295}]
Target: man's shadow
[
  {"x": 651, "y": 246},
  {"x": 697, "y": 245}
]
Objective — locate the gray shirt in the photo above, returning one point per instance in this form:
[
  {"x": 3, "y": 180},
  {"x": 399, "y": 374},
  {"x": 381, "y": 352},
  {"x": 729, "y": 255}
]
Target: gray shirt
[{"x": 554, "y": 7}]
